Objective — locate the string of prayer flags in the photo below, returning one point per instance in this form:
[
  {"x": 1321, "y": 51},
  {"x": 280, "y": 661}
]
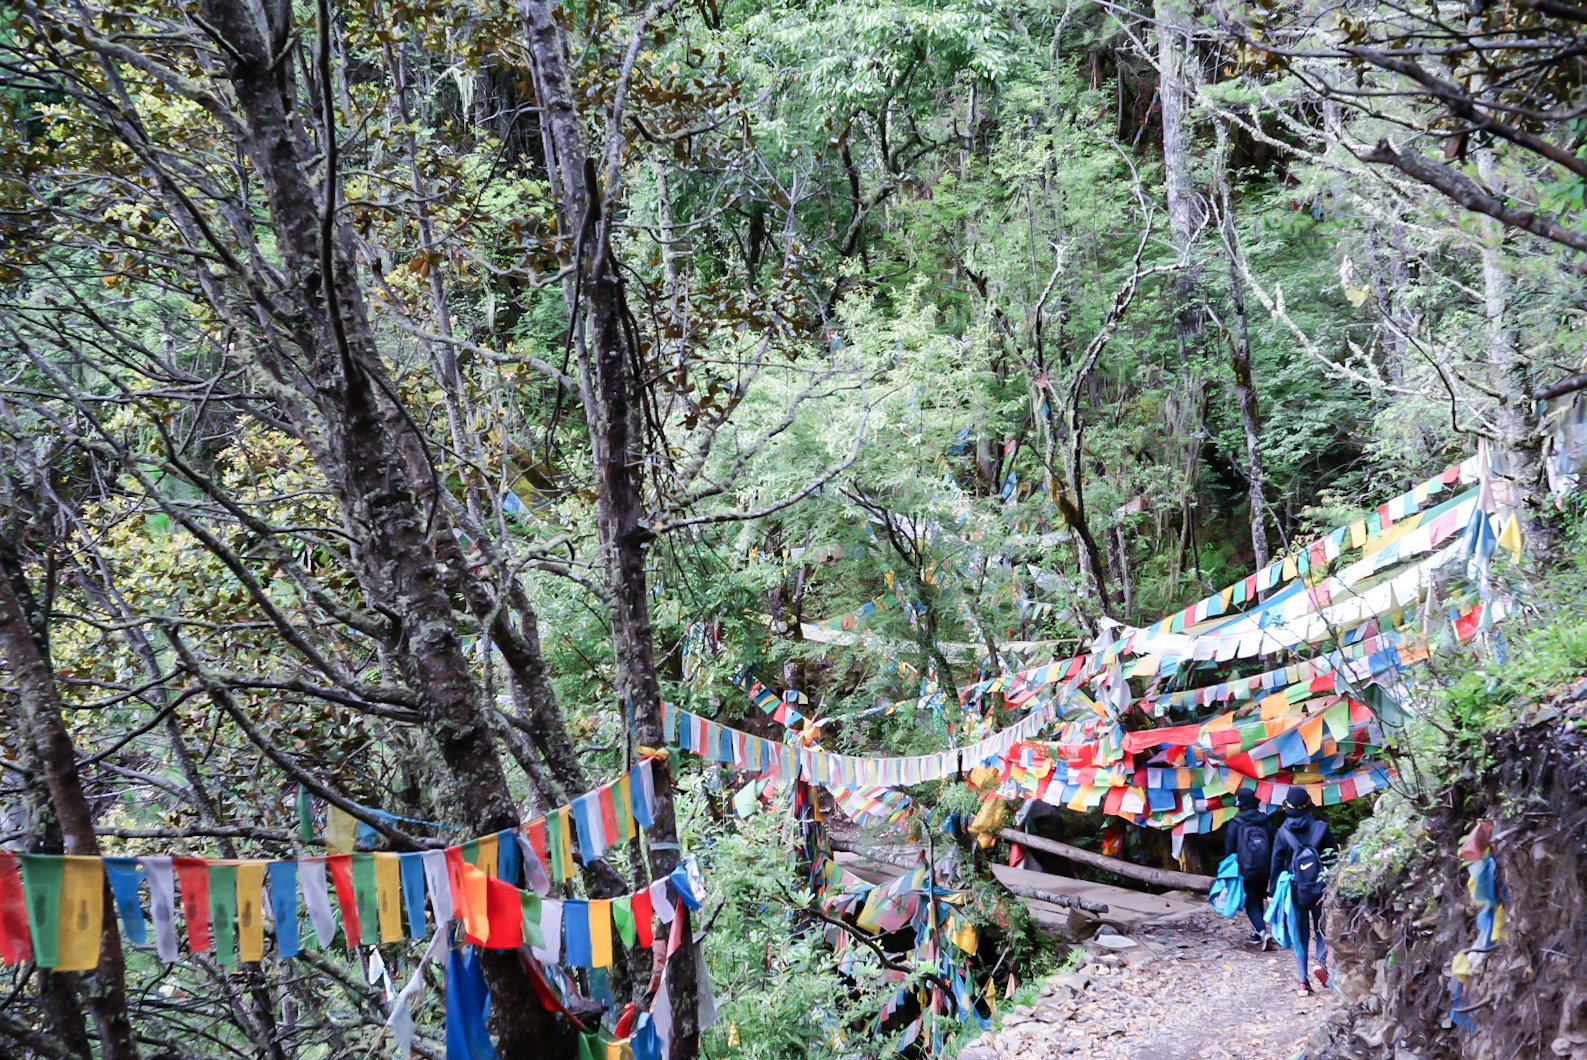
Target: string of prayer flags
[{"x": 52, "y": 907}]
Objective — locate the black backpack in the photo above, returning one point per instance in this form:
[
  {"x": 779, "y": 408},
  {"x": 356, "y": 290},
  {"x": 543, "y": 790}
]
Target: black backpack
[
  {"x": 1254, "y": 850},
  {"x": 1306, "y": 867}
]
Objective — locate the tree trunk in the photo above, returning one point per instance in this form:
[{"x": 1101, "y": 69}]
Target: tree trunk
[
  {"x": 606, "y": 353},
  {"x": 1177, "y": 78},
  {"x": 1518, "y": 471},
  {"x": 104, "y": 991},
  {"x": 1240, "y": 360},
  {"x": 362, "y": 456}
]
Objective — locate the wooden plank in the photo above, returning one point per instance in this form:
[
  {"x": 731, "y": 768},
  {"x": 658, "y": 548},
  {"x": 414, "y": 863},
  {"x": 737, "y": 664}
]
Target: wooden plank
[{"x": 1158, "y": 877}]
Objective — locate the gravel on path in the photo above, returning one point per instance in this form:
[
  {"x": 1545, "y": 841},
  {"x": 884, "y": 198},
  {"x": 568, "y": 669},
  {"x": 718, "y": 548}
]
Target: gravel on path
[{"x": 1190, "y": 989}]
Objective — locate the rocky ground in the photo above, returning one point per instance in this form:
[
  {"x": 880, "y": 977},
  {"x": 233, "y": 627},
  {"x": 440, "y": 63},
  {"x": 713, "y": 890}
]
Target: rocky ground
[{"x": 1186, "y": 990}]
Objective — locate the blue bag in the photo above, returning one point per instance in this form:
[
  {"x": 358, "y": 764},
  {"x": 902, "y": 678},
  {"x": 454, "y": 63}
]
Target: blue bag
[{"x": 1227, "y": 895}]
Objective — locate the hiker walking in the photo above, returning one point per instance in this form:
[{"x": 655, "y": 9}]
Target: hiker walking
[
  {"x": 1298, "y": 848},
  {"x": 1250, "y": 838}
]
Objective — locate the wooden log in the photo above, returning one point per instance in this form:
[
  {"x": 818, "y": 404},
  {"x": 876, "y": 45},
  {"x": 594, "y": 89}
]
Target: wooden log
[
  {"x": 1157, "y": 877},
  {"x": 905, "y": 858},
  {"x": 1065, "y": 900}
]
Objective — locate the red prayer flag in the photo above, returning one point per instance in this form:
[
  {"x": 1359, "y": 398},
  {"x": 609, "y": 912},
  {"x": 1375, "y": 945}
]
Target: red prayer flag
[
  {"x": 193, "y": 875},
  {"x": 505, "y": 912},
  {"x": 1325, "y": 683},
  {"x": 454, "y": 875},
  {"x": 640, "y": 904},
  {"x": 341, "y": 866},
  {"x": 536, "y": 831},
  {"x": 16, "y": 945},
  {"x": 603, "y": 798},
  {"x": 1347, "y": 789},
  {"x": 1171, "y": 736}
]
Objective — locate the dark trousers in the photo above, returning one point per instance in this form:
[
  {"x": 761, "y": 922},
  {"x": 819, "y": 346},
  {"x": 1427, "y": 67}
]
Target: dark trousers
[{"x": 1255, "y": 897}]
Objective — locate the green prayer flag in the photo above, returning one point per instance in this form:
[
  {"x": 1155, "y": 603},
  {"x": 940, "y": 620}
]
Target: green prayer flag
[
  {"x": 223, "y": 911},
  {"x": 530, "y": 904},
  {"x": 553, "y": 849},
  {"x": 367, "y": 896},
  {"x": 590, "y": 1047},
  {"x": 623, "y": 917},
  {"x": 1337, "y": 720},
  {"x": 305, "y": 816},
  {"x": 41, "y": 884},
  {"x": 747, "y": 802}
]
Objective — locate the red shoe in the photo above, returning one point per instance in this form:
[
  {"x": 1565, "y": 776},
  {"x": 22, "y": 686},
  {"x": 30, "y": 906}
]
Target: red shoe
[
  {"x": 1303, "y": 990},
  {"x": 1322, "y": 976}
]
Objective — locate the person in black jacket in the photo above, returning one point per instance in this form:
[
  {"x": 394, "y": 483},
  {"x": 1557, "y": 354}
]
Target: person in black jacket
[
  {"x": 1299, "y": 848},
  {"x": 1250, "y": 837}
]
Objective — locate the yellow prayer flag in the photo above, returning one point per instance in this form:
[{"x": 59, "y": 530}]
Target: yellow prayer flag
[
  {"x": 600, "y": 933},
  {"x": 964, "y": 936},
  {"x": 485, "y": 856},
  {"x": 623, "y": 795},
  {"x": 565, "y": 832},
  {"x": 340, "y": 828},
  {"x": 1358, "y": 533},
  {"x": 1510, "y": 536},
  {"x": 250, "y": 911},
  {"x": 1288, "y": 571},
  {"x": 82, "y": 913},
  {"x": 388, "y": 896},
  {"x": 1274, "y": 706}
]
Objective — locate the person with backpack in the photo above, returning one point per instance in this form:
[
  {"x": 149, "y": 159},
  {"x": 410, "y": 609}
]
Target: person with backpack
[
  {"x": 1298, "y": 848},
  {"x": 1250, "y": 838}
]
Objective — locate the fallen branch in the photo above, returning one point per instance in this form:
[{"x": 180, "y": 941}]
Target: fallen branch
[
  {"x": 1157, "y": 877},
  {"x": 1053, "y": 897}
]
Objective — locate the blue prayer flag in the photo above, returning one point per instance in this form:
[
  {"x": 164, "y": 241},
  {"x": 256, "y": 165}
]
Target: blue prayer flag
[
  {"x": 124, "y": 875},
  {"x": 284, "y": 905},
  {"x": 507, "y": 856},
  {"x": 411, "y": 866},
  {"x": 576, "y": 933}
]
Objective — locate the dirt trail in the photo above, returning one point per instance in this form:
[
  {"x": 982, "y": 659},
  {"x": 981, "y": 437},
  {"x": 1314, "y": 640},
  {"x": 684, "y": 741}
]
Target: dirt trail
[{"x": 1192, "y": 990}]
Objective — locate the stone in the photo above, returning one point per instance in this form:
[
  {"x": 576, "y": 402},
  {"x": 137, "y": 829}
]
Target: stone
[
  {"x": 1114, "y": 942},
  {"x": 1074, "y": 981}
]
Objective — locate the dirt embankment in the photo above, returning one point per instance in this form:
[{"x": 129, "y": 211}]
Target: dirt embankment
[{"x": 1395, "y": 945}]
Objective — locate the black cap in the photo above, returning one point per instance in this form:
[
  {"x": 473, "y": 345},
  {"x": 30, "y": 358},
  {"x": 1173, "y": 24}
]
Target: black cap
[
  {"x": 1298, "y": 799},
  {"x": 1246, "y": 799}
]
